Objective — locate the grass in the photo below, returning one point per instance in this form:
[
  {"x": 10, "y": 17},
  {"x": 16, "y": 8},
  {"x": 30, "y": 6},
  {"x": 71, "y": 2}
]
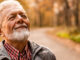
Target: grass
[
  {"x": 75, "y": 38},
  {"x": 63, "y": 33}
]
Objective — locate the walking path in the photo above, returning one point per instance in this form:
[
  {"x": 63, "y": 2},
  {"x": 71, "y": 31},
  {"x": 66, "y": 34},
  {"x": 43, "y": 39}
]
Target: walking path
[{"x": 61, "y": 52}]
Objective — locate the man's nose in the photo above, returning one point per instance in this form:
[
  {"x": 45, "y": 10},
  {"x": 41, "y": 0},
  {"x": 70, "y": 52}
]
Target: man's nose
[{"x": 19, "y": 19}]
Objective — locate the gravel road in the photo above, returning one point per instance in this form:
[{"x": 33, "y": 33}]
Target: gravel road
[{"x": 61, "y": 52}]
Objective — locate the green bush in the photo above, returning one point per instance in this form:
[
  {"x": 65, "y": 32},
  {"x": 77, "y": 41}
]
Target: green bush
[
  {"x": 63, "y": 34},
  {"x": 75, "y": 38}
]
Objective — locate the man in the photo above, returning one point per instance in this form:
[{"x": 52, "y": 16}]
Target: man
[{"x": 15, "y": 28}]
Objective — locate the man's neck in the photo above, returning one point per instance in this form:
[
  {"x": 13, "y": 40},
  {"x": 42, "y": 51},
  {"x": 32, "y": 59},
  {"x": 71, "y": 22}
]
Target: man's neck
[{"x": 19, "y": 45}]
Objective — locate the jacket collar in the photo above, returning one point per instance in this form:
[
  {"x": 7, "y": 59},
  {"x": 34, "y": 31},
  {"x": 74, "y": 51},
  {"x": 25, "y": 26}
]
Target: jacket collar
[
  {"x": 3, "y": 52},
  {"x": 35, "y": 48}
]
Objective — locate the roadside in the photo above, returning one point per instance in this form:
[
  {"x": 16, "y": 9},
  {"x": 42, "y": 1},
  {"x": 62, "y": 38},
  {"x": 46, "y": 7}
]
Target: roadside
[
  {"x": 67, "y": 42},
  {"x": 61, "y": 51}
]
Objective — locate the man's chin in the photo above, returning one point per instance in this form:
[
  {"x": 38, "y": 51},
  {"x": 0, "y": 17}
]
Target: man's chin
[{"x": 19, "y": 36}]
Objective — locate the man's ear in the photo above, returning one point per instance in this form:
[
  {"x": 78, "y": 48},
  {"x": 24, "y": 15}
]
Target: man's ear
[
  {"x": 0, "y": 31},
  {"x": 1, "y": 34}
]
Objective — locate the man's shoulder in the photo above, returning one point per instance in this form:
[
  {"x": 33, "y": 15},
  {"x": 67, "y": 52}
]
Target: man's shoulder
[
  {"x": 43, "y": 52},
  {"x": 41, "y": 48},
  {"x": 46, "y": 52}
]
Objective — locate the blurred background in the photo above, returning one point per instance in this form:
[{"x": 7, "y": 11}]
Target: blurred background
[{"x": 60, "y": 19}]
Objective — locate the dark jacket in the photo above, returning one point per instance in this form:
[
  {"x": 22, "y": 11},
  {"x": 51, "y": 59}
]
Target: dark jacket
[{"x": 38, "y": 52}]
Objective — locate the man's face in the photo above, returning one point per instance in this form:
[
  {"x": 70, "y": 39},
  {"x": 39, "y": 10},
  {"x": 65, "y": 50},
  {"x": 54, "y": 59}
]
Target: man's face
[{"x": 15, "y": 25}]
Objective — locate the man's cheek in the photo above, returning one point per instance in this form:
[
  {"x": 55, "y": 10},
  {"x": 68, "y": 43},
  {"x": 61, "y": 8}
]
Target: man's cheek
[{"x": 11, "y": 25}]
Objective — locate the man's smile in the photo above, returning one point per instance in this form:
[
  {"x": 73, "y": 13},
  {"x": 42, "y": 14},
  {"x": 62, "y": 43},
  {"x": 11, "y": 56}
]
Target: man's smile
[{"x": 21, "y": 27}]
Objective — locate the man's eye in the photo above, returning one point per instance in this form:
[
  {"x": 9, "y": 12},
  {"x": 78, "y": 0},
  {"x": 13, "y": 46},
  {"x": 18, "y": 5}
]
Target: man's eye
[
  {"x": 11, "y": 17},
  {"x": 24, "y": 16}
]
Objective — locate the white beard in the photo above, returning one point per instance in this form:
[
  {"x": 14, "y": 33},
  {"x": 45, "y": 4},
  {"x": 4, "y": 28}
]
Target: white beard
[{"x": 18, "y": 36}]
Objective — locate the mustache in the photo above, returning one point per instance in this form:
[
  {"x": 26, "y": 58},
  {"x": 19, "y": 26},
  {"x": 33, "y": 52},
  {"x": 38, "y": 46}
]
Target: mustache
[{"x": 20, "y": 25}]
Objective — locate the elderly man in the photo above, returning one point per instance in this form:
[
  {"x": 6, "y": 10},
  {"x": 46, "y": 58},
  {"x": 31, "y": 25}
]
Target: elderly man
[{"x": 15, "y": 28}]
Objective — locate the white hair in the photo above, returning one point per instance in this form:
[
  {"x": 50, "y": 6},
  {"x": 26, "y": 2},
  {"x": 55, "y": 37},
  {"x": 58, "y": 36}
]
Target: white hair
[{"x": 7, "y": 4}]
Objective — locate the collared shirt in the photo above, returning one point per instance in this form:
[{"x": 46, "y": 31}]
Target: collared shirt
[{"x": 16, "y": 55}]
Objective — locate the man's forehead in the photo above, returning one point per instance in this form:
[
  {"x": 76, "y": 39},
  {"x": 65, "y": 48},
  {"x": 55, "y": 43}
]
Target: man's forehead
[
  {"x": 15, "y": 11},
  {"x": 12, "y": 9}
]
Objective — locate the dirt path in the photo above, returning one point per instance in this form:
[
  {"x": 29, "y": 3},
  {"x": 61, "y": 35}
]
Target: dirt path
[{"x": 61, "y": 52}]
